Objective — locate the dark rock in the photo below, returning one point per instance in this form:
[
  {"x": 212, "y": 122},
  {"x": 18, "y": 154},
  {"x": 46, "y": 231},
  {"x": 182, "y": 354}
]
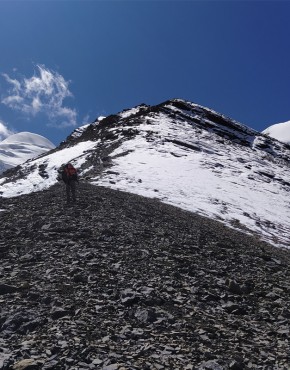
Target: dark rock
[
  {"x": 58, "y": 313},
  {"x": 129, "y": 297},
  {"x": 32, "y": 325},
  {"x": 234, "y": 287},
  {"x": 33, "y": 296},
  {"x": 146, "y": 316},
  {"x": 51, "y": 365},
  {"x": 6, "y": 289},
  {"x": 80, "y": 278},
  {"x": 210, "y": 365},
  {"x": 286, "y": 313},
  {"x": 237, "y": 365},
  {"x": 13, "y": 323}
]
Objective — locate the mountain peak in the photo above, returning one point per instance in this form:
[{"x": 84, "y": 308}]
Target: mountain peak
[
  {"x": 183, "y": 154},
  {"x": 29, "y": 138}
]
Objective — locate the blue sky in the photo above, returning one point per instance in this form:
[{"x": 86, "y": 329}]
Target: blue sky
[{"x": 64, "y": 63}]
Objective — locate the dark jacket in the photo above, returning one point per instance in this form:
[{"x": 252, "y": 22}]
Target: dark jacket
[{"x": 69, "y": 174}]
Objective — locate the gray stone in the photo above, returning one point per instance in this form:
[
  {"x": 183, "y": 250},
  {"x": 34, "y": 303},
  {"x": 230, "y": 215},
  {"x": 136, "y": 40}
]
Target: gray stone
[
  {"x": 27, "y": 364},
  {"x": 210, "y": 365}
]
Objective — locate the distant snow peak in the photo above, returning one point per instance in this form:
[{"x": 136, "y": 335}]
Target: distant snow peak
[
  {"x": 279, "y": 131},
  {"x": 29, "y": 138},
  {"x": 20, "y": 147}
]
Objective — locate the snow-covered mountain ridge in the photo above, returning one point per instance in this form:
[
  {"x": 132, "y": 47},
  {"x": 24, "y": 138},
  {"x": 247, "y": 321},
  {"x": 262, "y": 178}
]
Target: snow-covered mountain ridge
[
  {"x": 20, "y": 147},
  {"x": 183, "y": 154}
]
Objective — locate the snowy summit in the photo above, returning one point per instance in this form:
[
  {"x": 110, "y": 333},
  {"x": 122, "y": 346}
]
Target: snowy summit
[{"x": 20, "y": 147}]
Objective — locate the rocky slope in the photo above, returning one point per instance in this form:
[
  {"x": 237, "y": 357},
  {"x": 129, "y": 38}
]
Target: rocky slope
[
  {"x": 118, "y": 281},
  {"x": 183, "y": 154}
]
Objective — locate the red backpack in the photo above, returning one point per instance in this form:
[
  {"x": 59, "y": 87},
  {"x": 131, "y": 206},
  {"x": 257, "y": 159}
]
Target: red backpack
[
  {"x": 70, "y": 170},
  {"x": 69, "y": 173}
]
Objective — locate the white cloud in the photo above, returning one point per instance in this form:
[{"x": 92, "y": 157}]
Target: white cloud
[
  {"x": 16, "y": 85},
  {"x": 4, "y": 131},
  {"x": 42, "y": 93},
  {"x": 13, "y": 101}
]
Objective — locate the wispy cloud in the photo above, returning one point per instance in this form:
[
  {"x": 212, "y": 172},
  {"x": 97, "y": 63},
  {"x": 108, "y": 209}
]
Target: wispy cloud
[
  {"x": 4, "y": 131},
  {"x": 44, "y": 92}
]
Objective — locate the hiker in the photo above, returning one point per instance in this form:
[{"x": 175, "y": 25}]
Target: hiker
[{"x": 70, "y": 177}]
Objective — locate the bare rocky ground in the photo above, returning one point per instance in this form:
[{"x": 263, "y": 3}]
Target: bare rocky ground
[{"x": 117, "y": 281}]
